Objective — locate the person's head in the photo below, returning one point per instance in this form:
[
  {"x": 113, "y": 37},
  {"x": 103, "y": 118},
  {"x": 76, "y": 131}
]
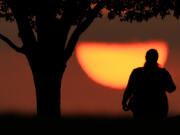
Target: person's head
[{"x": 152, "y": 56}]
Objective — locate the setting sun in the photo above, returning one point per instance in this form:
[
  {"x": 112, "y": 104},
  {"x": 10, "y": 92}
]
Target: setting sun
[{"x": 110, "y": 64}]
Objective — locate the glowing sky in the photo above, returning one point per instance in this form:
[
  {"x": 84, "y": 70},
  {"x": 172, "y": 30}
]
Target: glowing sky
[
  {"x": 110, "y": 64},
  {"x": 81, "y": 95}
]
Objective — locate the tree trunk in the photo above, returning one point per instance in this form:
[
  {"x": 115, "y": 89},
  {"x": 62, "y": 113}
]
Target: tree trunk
[
  {"x": 46, "y": 60},
  {"x": 47, "y": 80}
]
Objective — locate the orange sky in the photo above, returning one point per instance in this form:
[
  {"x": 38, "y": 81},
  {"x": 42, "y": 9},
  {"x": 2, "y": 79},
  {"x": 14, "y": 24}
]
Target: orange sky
[
  {"x": 83, "y": 96},
  {"x": 110, "y": 64}
]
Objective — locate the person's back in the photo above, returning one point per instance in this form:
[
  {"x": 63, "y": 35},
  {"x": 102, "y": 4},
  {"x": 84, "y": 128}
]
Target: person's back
[
  {"x": 149, "y": 94},
  {"x": 146, "y": 88}
]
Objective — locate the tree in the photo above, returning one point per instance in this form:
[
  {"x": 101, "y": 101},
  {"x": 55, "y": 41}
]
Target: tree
[{"x": 44, "y": 27}]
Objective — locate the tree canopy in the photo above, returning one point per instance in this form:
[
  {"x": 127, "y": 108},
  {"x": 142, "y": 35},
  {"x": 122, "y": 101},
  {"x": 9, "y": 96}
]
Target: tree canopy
[
  {"x": 78, "y": 10},
  {"x": 81, "y": 13}
]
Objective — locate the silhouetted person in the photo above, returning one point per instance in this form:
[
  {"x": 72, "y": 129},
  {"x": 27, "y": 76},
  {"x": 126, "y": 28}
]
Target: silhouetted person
[{"x": 145, "y": 94}]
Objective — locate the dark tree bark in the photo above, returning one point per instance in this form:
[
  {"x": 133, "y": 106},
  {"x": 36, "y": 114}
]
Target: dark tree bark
[
  {"x": 48, "y": 86},
  {"x": 47, "y": 64},
  {"x": 48, "y": 51}
]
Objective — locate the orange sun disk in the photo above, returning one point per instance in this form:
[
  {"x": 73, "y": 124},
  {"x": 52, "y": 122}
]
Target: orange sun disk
[{"x": 110, "y": 64}]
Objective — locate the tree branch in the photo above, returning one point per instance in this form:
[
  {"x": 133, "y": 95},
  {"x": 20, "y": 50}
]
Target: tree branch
[
  {"x": 26, "y": 34},
  {"x": 11, "y": 44},
  {"x": 80, "y": 29}
]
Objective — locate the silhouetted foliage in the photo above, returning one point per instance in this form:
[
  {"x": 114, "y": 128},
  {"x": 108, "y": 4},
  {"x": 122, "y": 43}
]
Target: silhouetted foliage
[{"x": 45, "y": 25}]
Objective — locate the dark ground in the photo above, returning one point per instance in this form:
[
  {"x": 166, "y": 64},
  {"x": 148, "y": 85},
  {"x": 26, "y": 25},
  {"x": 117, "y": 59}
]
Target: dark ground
[{"x": 85, "y": 125}]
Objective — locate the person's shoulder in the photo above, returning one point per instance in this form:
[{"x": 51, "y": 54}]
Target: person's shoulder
[
  {"x": 136, "y": 71},
  {"x": 139, "y": 69},
  {"x": 163, "y": 70}
]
